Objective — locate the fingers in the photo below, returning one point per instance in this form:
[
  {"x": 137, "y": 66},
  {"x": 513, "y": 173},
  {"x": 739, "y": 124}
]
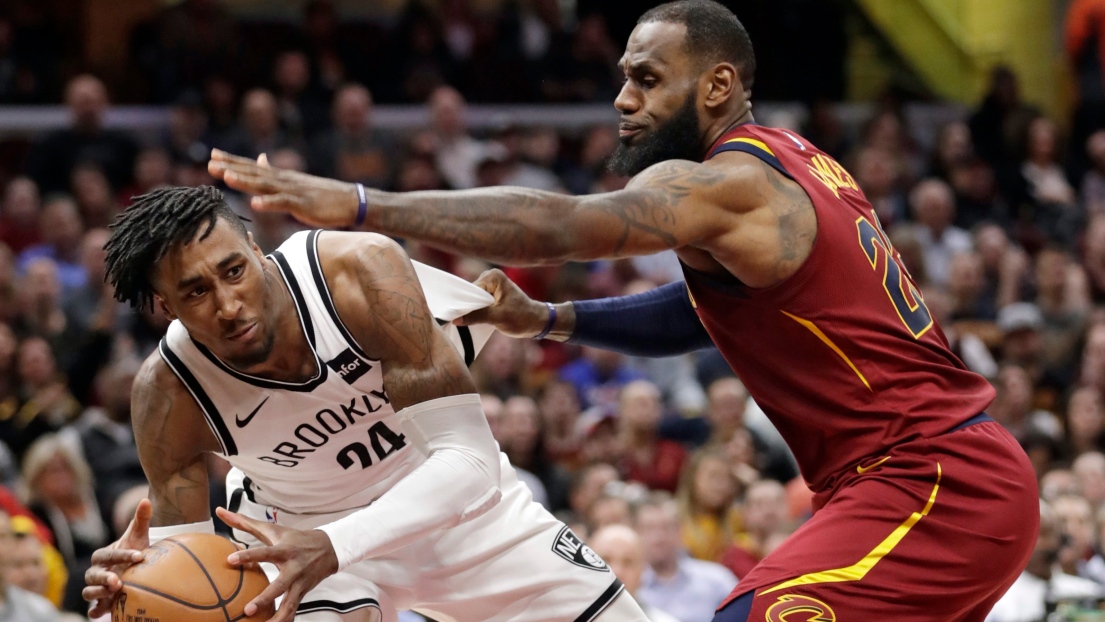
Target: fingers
[
  {"x": 101, "y": 607},
  {"x": 268, "y": 596},
  {"x": 256, "y": 555},
  {"x": 218, "y": 155},
  {"x": 112, "y": 557},
  {"x": 140, "y": 526},
  {"x": 252, "y": 183},
  {"x": 100, "y": 583},
  {"x": 479, "y": 316},
  {"x": 279, "y": 202},
  {"x": 489, "y": 281},
  {"x": 257, "y": 529},
  {"x": 263, "y": 160},
  {"x": 291, "y": 601}
]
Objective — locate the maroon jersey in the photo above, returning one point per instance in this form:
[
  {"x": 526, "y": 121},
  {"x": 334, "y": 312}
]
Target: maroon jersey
[{"x": 843, "y": 356}]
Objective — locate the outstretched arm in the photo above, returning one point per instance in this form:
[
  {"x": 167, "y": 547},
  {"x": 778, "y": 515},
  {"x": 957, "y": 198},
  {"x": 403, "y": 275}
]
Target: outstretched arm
[
  {"x": 660, "y": 322},
  {"x": 670, "y": 205}
]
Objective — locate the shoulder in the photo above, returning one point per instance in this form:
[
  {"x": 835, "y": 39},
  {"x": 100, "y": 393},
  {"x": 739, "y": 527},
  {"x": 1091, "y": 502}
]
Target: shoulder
[
  {"x": 341, "y": 251},
  {"x": 705, "y": 571},
  {"x": 33, "y": 604},
  {"x": 729, "y": 180}
]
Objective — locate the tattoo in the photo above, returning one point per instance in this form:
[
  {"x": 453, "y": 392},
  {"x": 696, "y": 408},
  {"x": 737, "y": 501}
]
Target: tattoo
[
  {"x": 797, "y": 221},
  {"x": 174, "y": 467},
  {"x": 517, "y": 225},
  {"x": 419, "y": 363}
]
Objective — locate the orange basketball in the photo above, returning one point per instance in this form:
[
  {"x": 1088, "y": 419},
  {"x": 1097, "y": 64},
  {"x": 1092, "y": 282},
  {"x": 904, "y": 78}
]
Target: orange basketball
[{"x": 186, "y": 579}]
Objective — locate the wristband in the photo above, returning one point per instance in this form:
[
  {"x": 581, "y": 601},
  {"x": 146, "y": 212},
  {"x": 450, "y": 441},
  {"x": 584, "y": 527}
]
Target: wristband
[
  {"x": 551, "y": 322},
  {"x": 362, "y": 206}
]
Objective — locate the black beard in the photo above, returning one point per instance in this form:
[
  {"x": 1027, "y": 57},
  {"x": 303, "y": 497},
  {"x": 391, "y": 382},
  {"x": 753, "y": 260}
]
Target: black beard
[{"x": 678, "y": 139}]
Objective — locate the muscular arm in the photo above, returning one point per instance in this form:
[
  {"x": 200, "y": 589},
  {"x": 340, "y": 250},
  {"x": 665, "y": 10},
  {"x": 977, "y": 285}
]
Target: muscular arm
[
  {"x": 381, "y": 301},
  {"x": 670, "y": 205},
  {"x": 172, "y": 438}
]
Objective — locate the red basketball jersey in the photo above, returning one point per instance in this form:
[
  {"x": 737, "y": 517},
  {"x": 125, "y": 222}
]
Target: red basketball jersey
[{"x": 843, "y": 356}]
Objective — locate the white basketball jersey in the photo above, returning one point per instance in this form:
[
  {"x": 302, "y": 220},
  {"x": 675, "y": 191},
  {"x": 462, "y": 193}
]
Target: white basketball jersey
[{"x": 331, "y": 443}]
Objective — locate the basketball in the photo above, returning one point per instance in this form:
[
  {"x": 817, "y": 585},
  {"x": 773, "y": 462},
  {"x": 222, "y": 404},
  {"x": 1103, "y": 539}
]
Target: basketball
[{"x": 186, "y": 578}]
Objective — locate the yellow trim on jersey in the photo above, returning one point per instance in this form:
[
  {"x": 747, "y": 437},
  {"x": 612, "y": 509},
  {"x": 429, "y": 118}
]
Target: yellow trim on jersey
[
  {"x": 751, "y": 141},
  {"x": 858, "y": 570},
  {"x": 829, "y": 342}
]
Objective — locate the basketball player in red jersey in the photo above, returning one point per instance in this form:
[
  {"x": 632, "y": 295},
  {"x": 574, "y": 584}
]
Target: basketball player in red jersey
[{"x": 926, "y": 508}]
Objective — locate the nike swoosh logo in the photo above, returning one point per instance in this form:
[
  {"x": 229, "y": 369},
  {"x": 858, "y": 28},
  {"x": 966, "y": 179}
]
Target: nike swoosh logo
[
  {"x": 862, "y": 469},
  {"x": 244, "y": 422}
]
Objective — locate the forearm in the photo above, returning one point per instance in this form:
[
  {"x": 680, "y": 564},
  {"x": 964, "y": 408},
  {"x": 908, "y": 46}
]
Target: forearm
[
  {"x": 659, "y": 322},
  {"x": 461, "y": 475},
  {"x": 506, "y": 225}
]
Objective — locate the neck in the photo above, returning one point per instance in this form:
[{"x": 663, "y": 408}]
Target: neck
[{"x": 724, "y": 126}]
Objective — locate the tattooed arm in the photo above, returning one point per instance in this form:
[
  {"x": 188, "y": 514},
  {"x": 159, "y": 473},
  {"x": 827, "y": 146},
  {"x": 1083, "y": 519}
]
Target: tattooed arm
[
  {"x": 670, "y": 205},
  {"x": 171, "y": 438}
]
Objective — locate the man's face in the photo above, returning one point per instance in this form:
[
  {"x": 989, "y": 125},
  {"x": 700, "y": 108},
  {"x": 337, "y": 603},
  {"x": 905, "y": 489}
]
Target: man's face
[
  {"x": 659, "y": 530},
  {"x": 217, "y": 288},
  {"x": 659, "y": 100},
  {"x": 25, "y": 567}
]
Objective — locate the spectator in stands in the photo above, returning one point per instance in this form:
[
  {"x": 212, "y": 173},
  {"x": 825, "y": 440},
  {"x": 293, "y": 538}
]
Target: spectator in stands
[
  {"x": 1093, "y": 183},
  {"x": 19, "y": 218},
  {"x": 599, "y": 376},
  {"x": 426, "y": 63},
  {"x": 825, "y": 129},
  {"x": 1093, "y": 256},
  {"x": 997, "y": 123},
  {"x": 456, "y": 153},
  {"x": 966, "y": 288},
  {"x": 707, "y": 491},
  {"x": 1085, "y": 47},
  {"x": 1085, "y": 423},
  {"x": 599, "y": 144},
  {"x": 1063, "y": 299},
  {"x": 93, "y": 194},
  {"x": 687, "y": 588},
  {"x": 1056, "y": 211},
  {"x": 525, "y": 448},
  {"x": 186, "y": 137},
  {"x": 517, "y": 171},
  {"x": 493, "y": 409},
  {"x": 622, "y": 549},
  {"x": 876, "y": 176},
  {"x": 1013, "y": 406},
  {"x": 933, "y": 206},
  {"x": 105, "y": 437},
  {"x": 1021, "y": 324},
  {"x": 1089, "y": 473},
  {"x": 953, "y": 145},
  {"x": 25, "y": 564},
  {"x": 559, "y": 406},
  {"x": 763, "y": 515},
  {"x": 260, "y": 130},
  {"x": 1076, "y": 521},
  {"x": 646, "y": 458},
  {"x": 353, "y": 150},
  {"x": 1005, "y": 264},
  {"x": 585, "y": 71},
  {"x": 588, "y": 485},
  {"x": 977, "y": 198},
  {"x": 152, "y": 169},
  {"x": 45, "y": 402},
  {"x": 725, "y": 408},
  {"x": 53, "y": 158},
  {"x": 41, "y": 313},
  {"x": 61, "y": 227},
  {"x": 608, "y": 510},
  {"x": 501, "y": 367},
  {"x": 302, "y": 110},
  {"x": 17, "y": 604},
  {"x": 59, "y": 491}
]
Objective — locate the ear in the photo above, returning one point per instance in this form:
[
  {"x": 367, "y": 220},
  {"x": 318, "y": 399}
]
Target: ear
[
  {"x": 722, "y": 83},
  {"x": 160, "y": 302}
]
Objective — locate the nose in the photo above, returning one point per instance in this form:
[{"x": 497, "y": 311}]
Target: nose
[
  {"x": 227, "y": 305},
  {"x": 627, "y": 102}
]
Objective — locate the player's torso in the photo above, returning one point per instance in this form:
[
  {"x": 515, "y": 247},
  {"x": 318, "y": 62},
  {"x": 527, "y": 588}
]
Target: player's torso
[
  {"x": 328, "y": 444},
  {"x": 843, "y": 355}
]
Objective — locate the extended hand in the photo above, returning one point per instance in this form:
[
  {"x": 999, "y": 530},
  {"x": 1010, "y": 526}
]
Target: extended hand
[
  {"x": 314, "y": 200},
  {"x": 513, "y": 313},
  {"x": 102, "y": 580},
  {"x": 304, "y": 558}
]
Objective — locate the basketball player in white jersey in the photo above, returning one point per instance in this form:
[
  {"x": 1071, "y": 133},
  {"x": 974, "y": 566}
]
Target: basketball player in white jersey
[{"x": 366, "y": 479}]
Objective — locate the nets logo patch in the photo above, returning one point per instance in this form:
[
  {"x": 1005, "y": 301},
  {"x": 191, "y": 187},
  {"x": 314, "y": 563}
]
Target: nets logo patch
[
  {"x": 571, "y": 548},
  {"x": 349, "y": 366}
]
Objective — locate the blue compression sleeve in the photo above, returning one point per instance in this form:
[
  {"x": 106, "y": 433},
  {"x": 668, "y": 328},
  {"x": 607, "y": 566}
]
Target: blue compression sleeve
[{"x": 659, "y": 322}]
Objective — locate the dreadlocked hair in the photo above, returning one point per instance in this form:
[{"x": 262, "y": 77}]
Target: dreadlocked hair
[{"x": 150, "y": 227}]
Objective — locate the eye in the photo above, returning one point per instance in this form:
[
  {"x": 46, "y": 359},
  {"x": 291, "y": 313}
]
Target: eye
[
  {"x": 197, "y": 292},
  {"x": 649, "y": 81},
  {"x": 235, "y": 271}
]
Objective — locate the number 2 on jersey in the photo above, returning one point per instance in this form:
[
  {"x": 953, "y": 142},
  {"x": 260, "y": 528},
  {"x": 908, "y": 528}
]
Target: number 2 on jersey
[{"x": 898, "y": 284}]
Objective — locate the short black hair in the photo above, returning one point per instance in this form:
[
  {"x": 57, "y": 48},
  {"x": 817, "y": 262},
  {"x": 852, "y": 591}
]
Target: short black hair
[
  {"x": 714, "y": 34},
  {"x": 153, "y": 224}
]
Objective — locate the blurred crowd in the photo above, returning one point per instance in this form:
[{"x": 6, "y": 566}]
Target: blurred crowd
[{"x": 665, "y": 467}]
